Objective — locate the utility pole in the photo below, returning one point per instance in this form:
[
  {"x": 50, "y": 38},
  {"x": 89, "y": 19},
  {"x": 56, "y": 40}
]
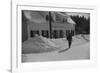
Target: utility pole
[{"x": 50, "y": 25}]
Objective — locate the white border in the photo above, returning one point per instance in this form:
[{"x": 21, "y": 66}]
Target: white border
[{"x": 17, "y": 66}]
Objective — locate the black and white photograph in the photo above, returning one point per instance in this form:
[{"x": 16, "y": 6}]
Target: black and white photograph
[{"x": 55, "y": 36}]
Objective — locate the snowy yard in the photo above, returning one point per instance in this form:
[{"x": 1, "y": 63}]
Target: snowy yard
[{"x": 43, "y": 49}]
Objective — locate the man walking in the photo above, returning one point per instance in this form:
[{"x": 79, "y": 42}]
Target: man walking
[{"x": 69, "y": 38}]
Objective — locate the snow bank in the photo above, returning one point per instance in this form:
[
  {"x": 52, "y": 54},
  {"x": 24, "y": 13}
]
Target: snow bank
[
  {"x": 39, "y": 44},
  {"x": 82, "y": 37},
  {"x": 48, "y": 41}
]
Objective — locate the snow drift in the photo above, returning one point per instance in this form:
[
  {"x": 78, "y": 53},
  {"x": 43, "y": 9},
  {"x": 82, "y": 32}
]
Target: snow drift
[{"x": 40, "y": 44}]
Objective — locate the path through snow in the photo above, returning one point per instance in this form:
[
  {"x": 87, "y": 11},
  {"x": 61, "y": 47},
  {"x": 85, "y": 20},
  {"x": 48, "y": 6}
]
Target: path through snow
[{"x": 79, "y": 50}]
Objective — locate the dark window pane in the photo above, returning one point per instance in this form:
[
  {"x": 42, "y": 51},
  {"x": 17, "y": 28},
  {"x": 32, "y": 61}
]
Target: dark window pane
[
  {"x": 45, "y": 33},
  {"x": 61, "y": 33},
  {"x": 55, "y": 34},
  {"x": 37, "y": 32},
  {"x": 32, "y": 33}
]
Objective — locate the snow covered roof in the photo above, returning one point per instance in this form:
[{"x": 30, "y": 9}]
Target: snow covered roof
[
  {"x": 40, "y": 16},
  {"x": 35, "y": 16},
  {"x": 69, "y": 20},
  {"x": 65, "y": 17}
]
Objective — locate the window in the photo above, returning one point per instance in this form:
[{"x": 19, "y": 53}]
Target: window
[
  {"x": 55, "y": 34},
  {"x": 45, "y": 33},
  {"x": 61, "y": 33},
  {"x": 33, "y": 32}
]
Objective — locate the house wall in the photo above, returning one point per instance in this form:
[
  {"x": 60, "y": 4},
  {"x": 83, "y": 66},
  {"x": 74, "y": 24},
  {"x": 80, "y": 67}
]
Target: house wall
[{"x": 45, "y": 26}]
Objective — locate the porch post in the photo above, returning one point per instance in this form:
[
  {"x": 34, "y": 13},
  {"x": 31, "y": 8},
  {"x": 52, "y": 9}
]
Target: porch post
[{"x": 50, "y": 24}]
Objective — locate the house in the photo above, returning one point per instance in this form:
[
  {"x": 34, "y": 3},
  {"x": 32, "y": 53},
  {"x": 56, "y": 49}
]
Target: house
[{"x": 38, "y": 22}]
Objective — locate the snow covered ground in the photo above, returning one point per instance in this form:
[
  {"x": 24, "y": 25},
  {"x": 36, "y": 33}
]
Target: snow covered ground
[{"x": 43, "y": 49}]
